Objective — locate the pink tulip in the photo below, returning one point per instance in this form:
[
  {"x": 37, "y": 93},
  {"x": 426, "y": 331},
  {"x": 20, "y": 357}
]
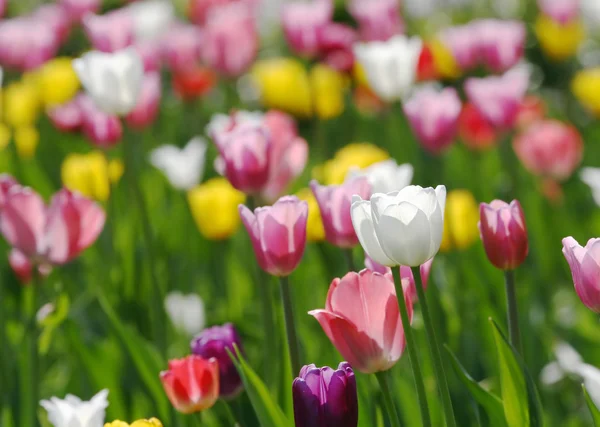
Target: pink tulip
[
  {"x": 498, "y": 98},
  {"x": 23, "y": 268},
  {"x": 550, "y": 148},
  {"x": 501, "y": 43},
  {"x": 56, "y": 17},
  {"x": 230, "y": 40},
  {"x": 463, "y": 42},
  {"x": 101, "y": 129},
  {"x": 585, "y": 268},
  {"x": 148, "y": 103},
  {"x": 6, "y": 183},
  {"x": 503, "y": 233},
  {"x": 180, "y": 47},
  {"x": 52, "y": 234},
  {"x": 406, "y": 275},
  {"x": 109, "y": 32},
  {"x": 24, "y": 49},
  {"x": 362, "y": 320},
  {"x": 433, "y": 117},
  {"x": 378, "y": 20},
  {"x": 561, "y": 11},
  {"x": 66, "y": 117},
  {"x": 278, "y": 234},
  {"x": 3, "y": 4},
  {"x": 150, "y": 53},
  {"x": 335, "y": 46},
  {"x": 77, "y": 9},
  {"x": 199, "y": 10},
  {"x": 302, "y": 22},
  {"x": 334, "y": 203}
]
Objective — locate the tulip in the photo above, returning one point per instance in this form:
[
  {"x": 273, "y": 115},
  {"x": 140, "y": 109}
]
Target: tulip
[
  {"x": 498, "y": 98},
  {"x": 148, "y": 102},
  {"x": 474, "y": 130},
  {"x": 151, "y": 19},
  {"x": 56, "y": 17},
  {"x": 182, "y": 167},
  {"x": 186, "y": 312},
  {"x": 349, "y": 158},
  {"x": 302, "y": 22},
  {"x": 531, "y": 110},
  {"x": 561, "y": 11},
  {"x": 463, "y": 43},
  {"x": 23, "y": 49},
  {"x": 27, "y": 139},
  {"x": 73, "y": 412},
  {"x": 590, "y": 12},
  {"x": 77, "y": 9},
  {"x": 550, "y": 148},
  {"x": 433, "y": 117},
  {"x": 501, "y": 43},
  {"x": 315, "y": 232},
  {"x": 406, "y": 275},
  {"x": 390, "y": 66},
  {"x": 66, "y": 117},
  {"x": 110, "y": 32},
  {"x": 102, "y": 129},
  {"x": 585, "y": 87},
  {"x": 20, "y": 104},
  {"x": 216, "y": 195},
  {"x": 590, "y": 176},
  {"x": 112, "y": 80},
  {"x": 152, "y": 422},
  {"x": 503, "y": 233},
  {"x": 370, "y": 336},
  {"x": 385, "y": 176},
  {"x": 6, "y": 183},
  {"x": 199, "y": 10},
  {"x": 192, "y": 83},
  {"x": 334, "y": 204},
  {"x": 327, "y": 86},
  {"x": 191, "y": 383},
  {"x": 180, "y": 47},
  {"x": 57, "y": 82},
  {"x": 90, "y": 174},
  {"x": 335, "y": 46},
  {"x": 377, "y": 20},
  {"x": 460, "y": 221},
  {"x": 278, "y": 234},
  {"x": 444, "y": 64},
  {"x": 324, "y": 397},
  {"x": 584, "y": 264},
  {"x": 559, "y": 41},
  {"x": 21, "y": 266},
  {"x": 215, "y": 342}
]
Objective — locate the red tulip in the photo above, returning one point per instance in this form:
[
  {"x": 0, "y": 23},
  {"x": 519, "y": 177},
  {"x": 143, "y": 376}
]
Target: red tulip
[
  {"x": 194, "y": 82},
  {"x": 474, "y": 130}
]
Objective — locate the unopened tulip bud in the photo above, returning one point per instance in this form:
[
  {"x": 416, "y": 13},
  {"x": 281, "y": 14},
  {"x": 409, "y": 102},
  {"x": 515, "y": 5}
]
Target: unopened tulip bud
[{"x": 585, "y": 268}]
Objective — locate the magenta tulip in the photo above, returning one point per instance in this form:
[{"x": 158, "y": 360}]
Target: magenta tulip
[
  {"x": 180, "y": 47},
  {"x": 101, "y": 129},
  {"x": 302, "y": 22},
  {"x": 561, "y": 11},
  {"x": 501, "y": 43},
  {"x": 335, "y": 46},
  {"x": 585, "y": 268}
]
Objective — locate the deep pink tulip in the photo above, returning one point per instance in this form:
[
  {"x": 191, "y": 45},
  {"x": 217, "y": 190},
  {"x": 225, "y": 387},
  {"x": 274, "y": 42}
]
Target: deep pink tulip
[
  {"x": 503, "y": 233},
  {"x": 561, "y": 11},
  {"x": 378, "y": 20},
  {"x": 463, "y": 42},
  {"x": 278, "y": 234},
  {"x": 362, "y": 320},
  {"x": 585, "y": 268},
  {"x": 498, "y": 98},
  {"x": 302, "y": 22},
  {"x": 408, "y": 279},
  {"x": 550, "y": 148},
  {"x": 77, "y": 9},
  {"x": 101, "y": 129},
  {"x": 148, "y": 103},
  {"x": 501, "y": 43},
  {"x": 6, "y": 183},
  {"x": 109, "y": 32},
  {"x": 433, "y": 117},
  {"x": 335, "y": 46},
  {"x": 230, "y": 40},
  {"x": 180, "y": 47},
  {"x": 66, "y": 117},
  {"x": 334, "y": 203}
]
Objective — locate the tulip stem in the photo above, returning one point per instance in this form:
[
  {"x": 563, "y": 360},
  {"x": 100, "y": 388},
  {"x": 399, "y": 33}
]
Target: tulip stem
[
  {"x": 29, "y": 369},
  {"x": 350, "y": 259},
  {"x": 512, "y": 310},
  {"x": 413, "y": 355},
  {"x": 434, "y": 349},
  {"x": 382, "y": 378},
  {"x": 290, "y": 327}
]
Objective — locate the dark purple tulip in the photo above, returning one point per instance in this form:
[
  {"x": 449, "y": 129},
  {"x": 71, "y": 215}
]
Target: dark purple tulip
[
  {"x": 214, "y": 342},
  {"x": 324, "y": 397}
]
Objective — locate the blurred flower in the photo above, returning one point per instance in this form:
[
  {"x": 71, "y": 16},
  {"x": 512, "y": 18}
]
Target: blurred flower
[
  {"x": 24, "y": 49},
  {"x": 113, "y": 80},
  {"x": 3, "y": 4},
  {"x": 191, "y": 383},
  {"x": 180, "y": 47},
  {"x": 151, "y": 19},
  {"x": 109, "y": 32},
  {"x": 390, "y": 66},
  {"x": 498, "y": 98},
  {"x": 57, "y": 19},
  {"x": 20, "y": 104},
  {"x": 199, "y": 10},
  {"x": 4, "y": 136},
  {"x": 364, "y": 302},
  {"x": 327, "y": 87},
  {"x": 186, "y": 312},
  {"x": 401, "y": 228},
  {"x": 90, "y": 174},
  {"x": 195, "y": 82},
  {"x": 433, "y": 117},
  {"x": 590, "y": 176},
  {"x": 21, "y": 266},
  {"x": 66, "y": 117},
  {"x": 426, "y": 68},
  {"x": 302, "y": 23},
  {"x": 590, "y": 12},
  {"x": 501, "y": 44},
  {"x": 216, "y": 195},
  {"x": 77, "y": 9},
  {"x": 101, "y": 129},
  {"x": 460, "y": 221},
  {"x": 57, "y": 82},
  {"x": 152, "y": 422},
  {"x": 334, "y": 204},
  {"x": 73, "y": 412},
  {"x": 586, "y": 88},
  {"x": 444, "y": 63},
  {"x": 385, "y": 176},
  {"x": 408, "y": 279},
  {"x": 550, "y": 148},
  {"x": 463, "y": 42},
  {"x": 585, "y": 268},
  {"x": 324, "y": 397},
  {"x": 314, "y": 224},
  {"x": 378, "y": 20},
  {"x": 148, "y": 102},
  {"x": 531, "y": 110},
  {"x": 27, "y": 139},
  {"x": 357, "y": 155},
  {"x": 278, "y": 234},
  {"x": 503, "y": 233},
  {"x": 214, "y": 342},
  {"x": 474, "y": 130},
  {"x": 6, "y": 183},
  {"x": 561, "y": 11},
  {"x": 559, "y": 41},
  {"x": 335, "y": 46},
  {"x": 183, "y": 167}
]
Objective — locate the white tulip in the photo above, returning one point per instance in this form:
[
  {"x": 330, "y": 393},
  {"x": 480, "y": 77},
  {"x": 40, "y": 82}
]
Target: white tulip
[
  {"x": 151, "y": 18},
  {"x": 183, "y": 167},
  {"x": 591, "y": 380},
  {"x": 591, "y": 176},
  {"x": 73, "y": 412},
  {"x": 385, "y": 176},
  {"x": 186, "y": 312},
  {"x": 390, "y": 66},
  {"x": 113, "y": 80},
  {"x": 401, "y": 228},
  {"x": 590, "y": 11}
]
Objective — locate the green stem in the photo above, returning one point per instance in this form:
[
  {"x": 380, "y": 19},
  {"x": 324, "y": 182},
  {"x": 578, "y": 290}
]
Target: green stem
[
  {"x": 411, "y": 346},
  {"x": 382, "y": 378},
  {"x": 290, "y": 327},
  {"x": 434, "y": 350},
  {"x": 512, "y": 310},
  {"x": 350, "y": 259},
  {"x": 266, "y": 300},
  {"x": 228, "y": 413},
  {"x": 29, "y": 375}
]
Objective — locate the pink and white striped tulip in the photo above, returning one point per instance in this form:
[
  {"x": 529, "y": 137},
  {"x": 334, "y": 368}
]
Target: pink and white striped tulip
[
  {"x": 180, "y": 47},
  {"x": 501, "y": 43},
  {"x": 278, "y": 234},
  {"x": 378, "y": 20},
  {"x": 362, "y": 320},
  {"x": 101, "y": 129},
  {"x": 77, "y": 9},
  {"x": 334, "y": 204},
  {"x": 302, "y": 22},
  {"x": 585, "y": 269},
  {"x": 148, "y": 102},
  {"x": 110, "y": 32},
  {"x": 561, "y": 11},
  {"x": 433, "y": 117}
]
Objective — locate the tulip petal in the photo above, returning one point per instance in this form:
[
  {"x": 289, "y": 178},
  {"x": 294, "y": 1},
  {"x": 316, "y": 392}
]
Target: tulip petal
[
  {"x": 23, "y": 220},
  {"x": 364, "y": 227}
]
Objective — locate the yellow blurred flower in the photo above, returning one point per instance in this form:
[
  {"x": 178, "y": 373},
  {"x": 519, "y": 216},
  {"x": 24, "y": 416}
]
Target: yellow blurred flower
[
  {"x": 444, "y": 61},
  {"x": 4, "y": 136},
  {"x": 586, "y": 88},
  {"x": 152, "y": 422},
  {"x": 314, "y": 225},
  {"x": 558, "y": 41},
  {"x": 57, "y": 81},
  {"x": 21, "y": 104},
  {"x": 360, "y": 77},
  {"x": 460, "y": 220},
  {"x": 214, "y": 206},
  {"x": 90, "y": 174},
  {"x": 26, "y": 141},
  {"x": 327, "y": 87},
  {"x": 356, "y": 155}
]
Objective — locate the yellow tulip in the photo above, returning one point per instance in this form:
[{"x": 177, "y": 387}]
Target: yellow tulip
[
  {"x": 586, "y": 88},
  {"x": 359, "y": 75},
  {"x": 90, "y": 174},
  {"x": 26, "y": 141},
  {"x": 558, "y": 41},
  {"x": 214, "y": 206},
  {"x": 4, "y": 136},
  {"x": 314, "y": 225},
  {"x": 57, "y": 81},
  {"x": 460, "y": 220},
  {"x": 21, "y": 104},
  {"x": 327, "y": 87},
  {"x": 152, "y": 422},
  {"x": 443, "y": 59},
  {"x": 356, "y": 155}
]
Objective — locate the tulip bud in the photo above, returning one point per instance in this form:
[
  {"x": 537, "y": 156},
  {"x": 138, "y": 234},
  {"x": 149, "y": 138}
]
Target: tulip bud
[
  {"x": 503, "y": 233},
  {"x": 327, "y": 87},
  {"x": 57, "y": 82},
  {"x": 585, "y": 87},
  {"x": 559, "y": 41},
  {"x": 585, "y": 268},
  {"x": 192, "y": 83},
  {"x": 182, "y": 167},
  {"x": 460, "y": 220},
  {"x": 324, "y": 397},
  {"x": 27, "y": 139},
  {"x": 89, "y": 174},
  {"x": 302, "y": 23},
  {"x": 214, "y": 342}
]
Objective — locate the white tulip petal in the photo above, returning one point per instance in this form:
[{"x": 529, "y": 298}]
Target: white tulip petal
[
  {"x": 364, "y": 228},
  {"x": 380, "y": 202},
  {"x": 440, "y": 192}
]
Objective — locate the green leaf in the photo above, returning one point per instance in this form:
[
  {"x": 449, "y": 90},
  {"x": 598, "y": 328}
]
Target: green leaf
[
  {"x": 267, "y": 411},
  {"x": 592, "y": 407},
  {"x": 488, "y": 400}
]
